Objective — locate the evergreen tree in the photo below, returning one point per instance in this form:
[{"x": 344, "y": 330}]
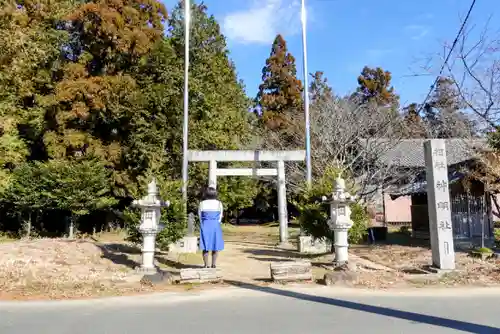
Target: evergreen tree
[
  {"x": 96, "y": 96},
  {"x": 445, "y": 95},
  {"x": 219, "y": 116},
  {"x": 100, "y": 80},
  {"x": 280, "y": 93},
  {"x": 414, "y": 126},
  {"x": 443, "y": 113},
  {"x": 31, "y": 40},
  {"x": 319, "y": 90},
  {"x": 375, "y": 87}
]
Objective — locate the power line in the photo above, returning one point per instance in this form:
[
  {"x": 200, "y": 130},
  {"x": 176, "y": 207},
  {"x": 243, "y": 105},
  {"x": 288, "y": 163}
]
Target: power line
[{"x": 462, "y": 27}]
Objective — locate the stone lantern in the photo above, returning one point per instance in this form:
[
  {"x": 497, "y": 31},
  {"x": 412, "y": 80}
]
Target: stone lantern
[
  {"x": 340, "y": 220},
  {"x": 150, "y": 206}
]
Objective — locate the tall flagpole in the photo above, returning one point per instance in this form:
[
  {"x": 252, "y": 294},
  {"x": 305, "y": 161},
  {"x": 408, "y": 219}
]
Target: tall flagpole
[
  {"x": 306, "y": 94},
  {"x": 185, "y": 124}
]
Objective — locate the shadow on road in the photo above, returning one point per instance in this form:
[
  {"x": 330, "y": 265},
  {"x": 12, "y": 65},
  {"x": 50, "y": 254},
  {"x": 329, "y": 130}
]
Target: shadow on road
[{"x": 388, "y": 312}]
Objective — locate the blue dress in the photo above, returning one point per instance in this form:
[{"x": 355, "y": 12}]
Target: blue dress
[{"x": 210, "y": 212}]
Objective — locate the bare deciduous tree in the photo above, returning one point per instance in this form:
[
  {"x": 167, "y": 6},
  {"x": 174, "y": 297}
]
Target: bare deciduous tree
[
  {"x": 475, "y": 70},
  {"x": 352, "y": 138}
]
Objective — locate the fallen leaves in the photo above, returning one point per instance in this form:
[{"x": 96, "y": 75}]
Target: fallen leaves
[
  {"x": 411, "y": 265},
  {"x": 63, "y": 269},
  {"x": 48, "y": 265}
]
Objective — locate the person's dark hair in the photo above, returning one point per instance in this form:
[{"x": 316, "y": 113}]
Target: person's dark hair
[{"x": 209, "y": 193}]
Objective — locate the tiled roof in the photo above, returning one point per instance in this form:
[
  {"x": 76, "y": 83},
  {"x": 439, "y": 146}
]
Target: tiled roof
[
  {"x": 421, "y": 187},
  {"x": 410, "y": 152}
]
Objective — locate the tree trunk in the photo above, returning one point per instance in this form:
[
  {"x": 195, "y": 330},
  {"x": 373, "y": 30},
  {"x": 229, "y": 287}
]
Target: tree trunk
[
  {"x": 482, "y": 232},
  {"x": 28, "y": 226},
  {"x": 71, "y": 229},
  {"x": 495, "y": 202},
  {"x": 332, "y": 246}
]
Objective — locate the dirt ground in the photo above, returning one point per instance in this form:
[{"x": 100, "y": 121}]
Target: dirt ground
[
  {"x": 412, "y": 264},
  {"x": 104, "y": 265}
]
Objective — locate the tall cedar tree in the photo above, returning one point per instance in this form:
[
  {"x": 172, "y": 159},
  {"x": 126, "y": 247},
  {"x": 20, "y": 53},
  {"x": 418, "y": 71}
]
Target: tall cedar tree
[
  {"x": 99, "y": 78},
  {"x": 97, "y": 95},
  {"x": 31, "y": 40},
  {"x": 280, "y": 109},
  {"x": 374, "y": 86},
  {"x": 280, "y": 93},
  {"x": 219, "y": 115}
]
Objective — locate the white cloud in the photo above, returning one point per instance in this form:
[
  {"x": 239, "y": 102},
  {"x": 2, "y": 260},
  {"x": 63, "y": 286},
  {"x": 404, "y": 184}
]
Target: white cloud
[
  {"x": 417, "y": 31},
  {"x": 263, "y": 20}
]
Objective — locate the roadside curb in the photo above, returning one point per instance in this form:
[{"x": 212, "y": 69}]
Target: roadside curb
[{"x": 253, "y": 291}]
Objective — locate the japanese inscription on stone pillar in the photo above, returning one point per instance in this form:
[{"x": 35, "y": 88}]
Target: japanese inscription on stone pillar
[{"x": 439, "y": 207}]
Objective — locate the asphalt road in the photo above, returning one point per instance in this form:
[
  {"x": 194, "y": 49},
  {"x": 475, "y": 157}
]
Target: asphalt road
[{"x": 266, "y": 310}]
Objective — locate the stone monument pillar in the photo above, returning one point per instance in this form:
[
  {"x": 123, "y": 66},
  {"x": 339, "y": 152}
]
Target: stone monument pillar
[
  {"x": 150, "y": 206},
  {"x": 309, "y": 245},
  {"x": 189, "y": 243},
  {"x": 438, "y": 204},
  {"x": 340, "y": 220}
]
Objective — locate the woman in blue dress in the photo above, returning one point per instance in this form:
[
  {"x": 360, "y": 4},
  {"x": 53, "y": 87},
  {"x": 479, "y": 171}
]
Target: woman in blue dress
[{"x": 210, "y": 213}]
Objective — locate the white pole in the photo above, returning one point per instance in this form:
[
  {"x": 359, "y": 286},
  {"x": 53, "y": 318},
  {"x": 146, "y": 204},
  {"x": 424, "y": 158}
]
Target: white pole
[
  {"x": 306, "y": 94},
  {"x": 212, "y": 173},
  {"x": 185, "y": 124},
  {"x": 282, "y": 204}
]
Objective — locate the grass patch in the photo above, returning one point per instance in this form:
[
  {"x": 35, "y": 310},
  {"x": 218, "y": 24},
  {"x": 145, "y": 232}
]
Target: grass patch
[
  {"x": 7, "y": 237},
  {"x": 118, "y": 235}
]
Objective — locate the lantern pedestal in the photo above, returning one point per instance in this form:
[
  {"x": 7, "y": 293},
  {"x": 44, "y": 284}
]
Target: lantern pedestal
[
  {"x": 148, "y": 252},
  {"x": 341, "y": 245}
]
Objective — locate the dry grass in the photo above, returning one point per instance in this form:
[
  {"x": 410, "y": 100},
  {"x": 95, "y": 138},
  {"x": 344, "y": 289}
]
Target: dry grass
[
  {"x": 54, "y": 264},
  {"x": 258, "y": 234},
  {"x": 394, "y": 256},
  {"x": 411, "y": 263},
  {"x": 103, "y": 265},
  {"x": 63, "y": 269}
]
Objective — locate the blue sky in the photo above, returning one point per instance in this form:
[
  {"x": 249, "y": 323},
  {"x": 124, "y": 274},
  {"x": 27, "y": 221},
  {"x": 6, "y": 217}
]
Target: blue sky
[{"x": 345, "y": 35}]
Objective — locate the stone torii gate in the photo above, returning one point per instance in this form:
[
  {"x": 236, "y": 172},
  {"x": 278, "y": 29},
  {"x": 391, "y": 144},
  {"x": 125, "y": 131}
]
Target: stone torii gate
[{"x": 212, "y": 157}]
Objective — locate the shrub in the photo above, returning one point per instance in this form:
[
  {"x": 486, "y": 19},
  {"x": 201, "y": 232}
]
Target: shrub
[
  {"x": 483, "y": 250},
  {"x": 75, "y": 187},
  {"x": 358, "y": 231},
  {"x": 314, "y": 213},
  {"x": 24, "y": 194},
  {"x": 404, "y": 230}
]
